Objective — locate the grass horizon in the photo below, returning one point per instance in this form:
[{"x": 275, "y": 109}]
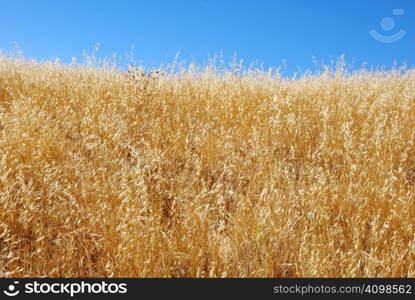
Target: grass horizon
[{"x": 205, "y": 172}]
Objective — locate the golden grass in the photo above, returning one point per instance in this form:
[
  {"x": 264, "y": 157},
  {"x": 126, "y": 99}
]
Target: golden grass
[{"x": 201, "y": 175}]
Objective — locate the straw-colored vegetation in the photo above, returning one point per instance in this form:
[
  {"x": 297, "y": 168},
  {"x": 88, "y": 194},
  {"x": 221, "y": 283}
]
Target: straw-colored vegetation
[{"x": 201, "y": 174}]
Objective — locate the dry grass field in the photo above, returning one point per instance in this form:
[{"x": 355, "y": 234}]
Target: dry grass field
[{"x": 201, "y": 174}]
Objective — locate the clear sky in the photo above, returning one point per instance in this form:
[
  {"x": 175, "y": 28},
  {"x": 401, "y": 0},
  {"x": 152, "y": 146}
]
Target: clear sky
[{"x": 267, "y": 31}]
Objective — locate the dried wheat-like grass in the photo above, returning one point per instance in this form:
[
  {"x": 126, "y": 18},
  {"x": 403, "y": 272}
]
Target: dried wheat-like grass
[{"x": 201, "y": 175}]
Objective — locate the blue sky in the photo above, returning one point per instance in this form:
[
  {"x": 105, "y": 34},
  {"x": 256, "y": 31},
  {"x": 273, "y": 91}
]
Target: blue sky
[{"x": 263, "y": 30}]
